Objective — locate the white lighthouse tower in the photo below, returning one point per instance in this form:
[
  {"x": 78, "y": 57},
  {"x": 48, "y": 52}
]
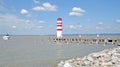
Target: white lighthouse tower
[{"x": 59, "y": 27}]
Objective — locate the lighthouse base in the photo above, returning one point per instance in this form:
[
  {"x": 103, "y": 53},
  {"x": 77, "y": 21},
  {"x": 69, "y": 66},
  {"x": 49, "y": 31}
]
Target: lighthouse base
[{"x": 59, "y": 33}]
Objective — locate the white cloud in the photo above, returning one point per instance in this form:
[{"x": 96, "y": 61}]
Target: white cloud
[
  {"x": 76, "y": 11},
  {"x": 41, "y": 22},
  {"x": 118, "y": 21},
  {"x": 10, "y": 23},
  {"x": 24, "y": 11},
  {"x": 39, "y": 27},
  {"x": 14, "y": 27},
  {"x": 45, "y": 7},
  {"x": 100, "y": 23},
  {"x": 27, "y": 21},
  {"x": 75, "y": 14},
  {"x": 49, "y": 6},
  {"x": 75, "y": 26},
  {"x": 39, "y": 8},
  {"x": 36, "y": 1}
]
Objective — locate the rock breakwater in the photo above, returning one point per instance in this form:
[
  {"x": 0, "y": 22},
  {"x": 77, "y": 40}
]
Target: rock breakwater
[{"x": 105, "y": 58}]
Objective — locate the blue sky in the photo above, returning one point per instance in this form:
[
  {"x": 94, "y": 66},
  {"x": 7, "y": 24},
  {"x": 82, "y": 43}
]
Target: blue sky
[{"x": 38, "y": 17}]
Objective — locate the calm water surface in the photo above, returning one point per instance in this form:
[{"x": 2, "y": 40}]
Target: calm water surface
[{"x": 30, "y": 52}]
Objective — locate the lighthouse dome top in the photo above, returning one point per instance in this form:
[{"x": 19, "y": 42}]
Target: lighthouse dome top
[{"x": 59, "y": 19}]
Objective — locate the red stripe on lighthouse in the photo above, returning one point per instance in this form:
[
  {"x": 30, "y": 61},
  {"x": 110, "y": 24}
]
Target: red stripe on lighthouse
[
  {"x": 59, "y": 25},
  {"x": 59, "y": 29}
]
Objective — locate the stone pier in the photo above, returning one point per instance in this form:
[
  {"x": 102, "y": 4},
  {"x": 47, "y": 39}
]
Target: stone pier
[{"x": 86, "y": 40}]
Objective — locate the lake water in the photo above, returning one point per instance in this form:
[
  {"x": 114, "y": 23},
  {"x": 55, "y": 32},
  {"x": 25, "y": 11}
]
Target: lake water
[{"x": 29, "y": 51}]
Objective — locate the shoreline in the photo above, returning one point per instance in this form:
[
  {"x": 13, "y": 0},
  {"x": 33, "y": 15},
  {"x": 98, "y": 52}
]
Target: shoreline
[{"x": 106, "y": 57}]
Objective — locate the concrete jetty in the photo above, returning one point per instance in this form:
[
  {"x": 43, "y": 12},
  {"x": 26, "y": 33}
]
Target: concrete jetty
[
  {"x": 86, "y": 40},
  {"x": 66, "y": 39}
]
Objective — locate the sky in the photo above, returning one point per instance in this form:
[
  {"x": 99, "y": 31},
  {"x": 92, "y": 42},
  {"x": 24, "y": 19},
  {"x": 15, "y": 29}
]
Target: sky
[{"x": 39, "y": 17}]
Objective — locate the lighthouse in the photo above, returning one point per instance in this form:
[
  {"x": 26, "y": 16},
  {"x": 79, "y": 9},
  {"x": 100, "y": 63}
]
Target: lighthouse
[{"x": 59, "y": 27}]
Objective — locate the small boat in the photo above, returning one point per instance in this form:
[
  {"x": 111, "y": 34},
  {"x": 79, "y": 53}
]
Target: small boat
[{"x": 6, "y": 37}]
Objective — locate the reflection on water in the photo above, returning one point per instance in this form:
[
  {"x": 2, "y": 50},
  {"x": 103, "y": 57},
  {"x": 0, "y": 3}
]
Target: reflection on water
[
  {"x": 59, "y": 52},
  {"x": 19, "y": 52}
]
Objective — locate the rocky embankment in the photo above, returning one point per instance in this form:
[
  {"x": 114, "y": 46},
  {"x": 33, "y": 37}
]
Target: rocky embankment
[{"x": 105, "y": 58}]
